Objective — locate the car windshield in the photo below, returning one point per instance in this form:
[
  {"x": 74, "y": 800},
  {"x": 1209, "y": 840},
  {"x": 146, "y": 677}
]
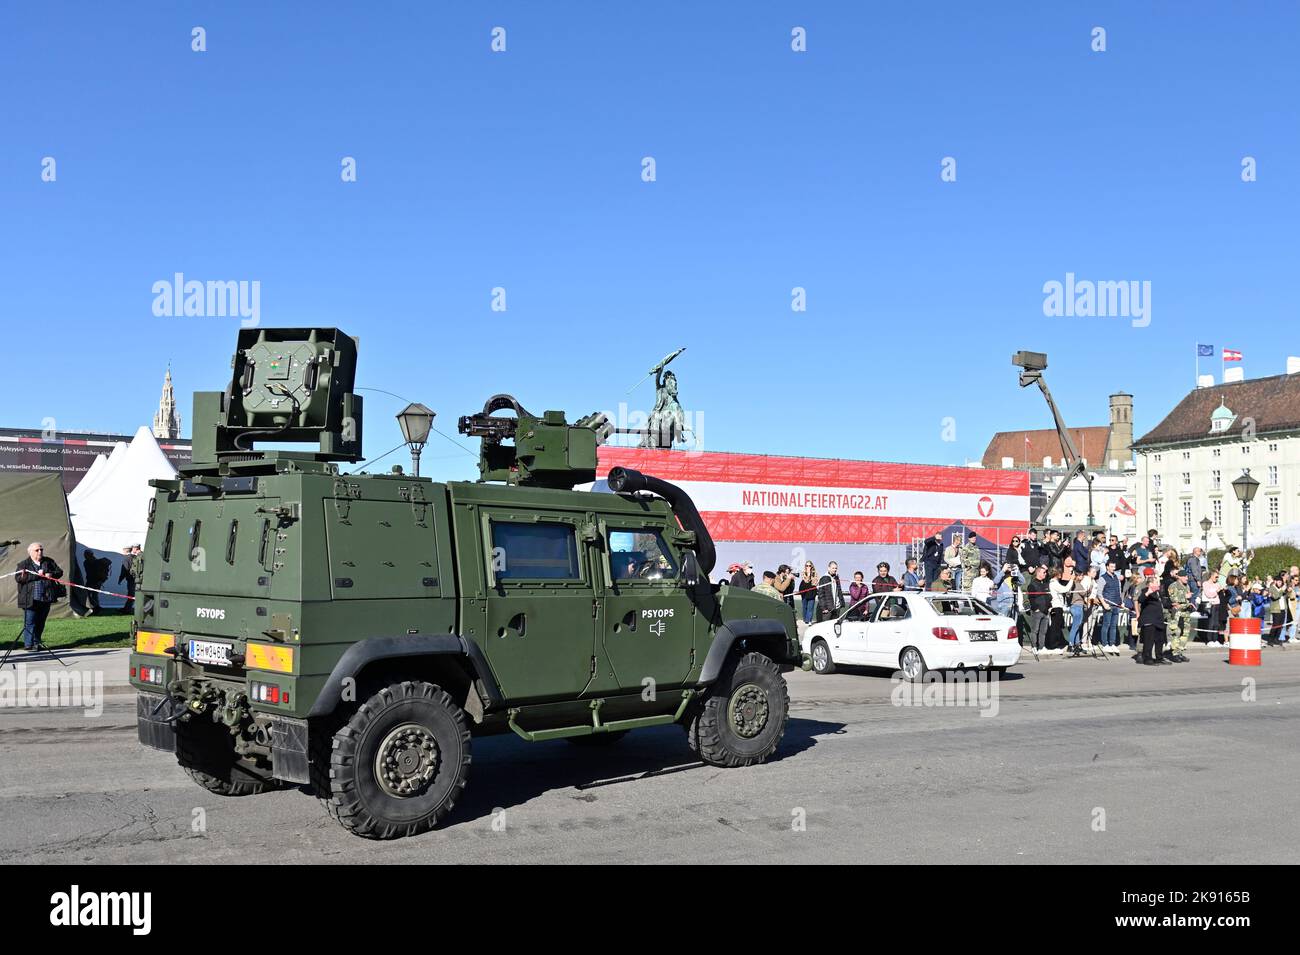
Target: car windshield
[{"x": 959, "y": 607}]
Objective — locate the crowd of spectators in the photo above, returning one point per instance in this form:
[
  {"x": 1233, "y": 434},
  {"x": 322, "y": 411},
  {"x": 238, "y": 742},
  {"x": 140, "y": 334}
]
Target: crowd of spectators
[{"x": 1073, "y": 594}]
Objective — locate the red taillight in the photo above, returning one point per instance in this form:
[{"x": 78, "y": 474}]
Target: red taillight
[
  {"x": 945, "y": 633},
  {"x": 133, "y": 673},
  {"x": 273, "y": 695},
  {"x": 1014, "y": 634}
]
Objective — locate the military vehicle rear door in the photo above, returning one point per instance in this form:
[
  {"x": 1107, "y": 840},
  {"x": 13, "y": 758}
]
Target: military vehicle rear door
[
  {"x": 647, "y": 625},
  {"x": 540, "y": 606}
]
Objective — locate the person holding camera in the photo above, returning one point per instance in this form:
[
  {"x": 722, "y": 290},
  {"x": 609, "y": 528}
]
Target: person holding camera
[
  {"x": 1006, "y": 591},
  {"x": 36, "y": 594}
]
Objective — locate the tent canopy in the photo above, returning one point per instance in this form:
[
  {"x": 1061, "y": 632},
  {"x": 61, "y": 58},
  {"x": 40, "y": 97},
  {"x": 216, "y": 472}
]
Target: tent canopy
[
  {"x": 113, "y": 512},
  {"x": 92, "y": 475}
]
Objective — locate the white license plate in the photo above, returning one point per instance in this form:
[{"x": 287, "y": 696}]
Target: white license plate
[
  {"x": 979, "y": 635},
  {"x": 212, "y": 654}
]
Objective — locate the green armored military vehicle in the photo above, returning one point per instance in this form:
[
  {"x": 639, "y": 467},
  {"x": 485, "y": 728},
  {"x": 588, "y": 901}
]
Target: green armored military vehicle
[{"x": 351, "y": 633}]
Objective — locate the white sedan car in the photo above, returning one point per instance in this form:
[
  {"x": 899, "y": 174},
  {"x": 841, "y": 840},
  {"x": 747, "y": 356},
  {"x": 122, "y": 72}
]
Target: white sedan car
[{"x": 914, "y": 632}]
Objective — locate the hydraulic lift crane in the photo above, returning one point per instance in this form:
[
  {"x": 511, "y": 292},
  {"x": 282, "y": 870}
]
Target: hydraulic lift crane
[{"x": 1032, "y": 364}]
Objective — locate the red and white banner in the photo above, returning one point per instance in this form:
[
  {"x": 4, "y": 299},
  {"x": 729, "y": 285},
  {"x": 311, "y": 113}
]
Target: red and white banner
[
  {"x": 771, "y": 498},
  {"x": 1231, "y": 354}
]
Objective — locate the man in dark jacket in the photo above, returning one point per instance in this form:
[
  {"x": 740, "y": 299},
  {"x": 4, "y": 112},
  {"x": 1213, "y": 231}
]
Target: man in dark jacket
[
  {"x": 1039, "y": 597},
  {"x": 744, "y": 576},
  {"x": 1052, "y": 550},
  {"x": 1118, "y": 555},
  {"x": 1151, "y": 618},
  {"x": 830, "y": 596},
  {"x": 1081, "y": 553},
  {"x": 883, "y": 580},
  {"x": 932, "y": 558},
  {"x": 1030, "y": 551},
  {"x": 35, "y": 594}
]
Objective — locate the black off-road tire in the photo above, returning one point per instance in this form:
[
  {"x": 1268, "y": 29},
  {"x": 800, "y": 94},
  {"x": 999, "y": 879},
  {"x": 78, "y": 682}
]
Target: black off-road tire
[
  {"x": 206, "y": 752},
  {"x": 354, "y": 793},
  {"x": 597, "y": 740},
  {"x": 712, "y": 731}
]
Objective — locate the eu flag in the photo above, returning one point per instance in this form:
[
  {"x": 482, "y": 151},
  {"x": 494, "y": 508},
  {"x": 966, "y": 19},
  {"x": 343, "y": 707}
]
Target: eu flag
[{"x": 1204, "y": 351}]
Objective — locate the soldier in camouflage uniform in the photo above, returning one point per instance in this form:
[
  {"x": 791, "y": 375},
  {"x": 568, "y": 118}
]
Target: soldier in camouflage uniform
[
  {"x": 970, "y": 562},
  {"x": 1178, "y": 622},
  {"x": 768, "y": 586}
]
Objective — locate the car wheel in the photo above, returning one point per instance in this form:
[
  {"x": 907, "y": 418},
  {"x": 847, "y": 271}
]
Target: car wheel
[
  {"x": 912, "y": 664},
  {"x": 821, "y": 657}
]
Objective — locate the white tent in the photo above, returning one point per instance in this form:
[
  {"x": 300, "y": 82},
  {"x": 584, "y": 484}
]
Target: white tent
[
  {"x": 111, "y": 513},
  {"x": 1286, "y": 534},
  {"x": 95, "y": 472}
]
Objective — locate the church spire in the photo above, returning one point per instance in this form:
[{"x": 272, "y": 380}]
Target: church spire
[{"x": 167, "y": 420}]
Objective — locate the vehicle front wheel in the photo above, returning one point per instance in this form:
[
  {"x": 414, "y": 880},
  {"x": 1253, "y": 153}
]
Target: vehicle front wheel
[
  {"x": 821, "y": 657},
  {"x": 400, "y": 763},
  {"x": 743, "y": 715},
  {"x": 912, "y": 664}
]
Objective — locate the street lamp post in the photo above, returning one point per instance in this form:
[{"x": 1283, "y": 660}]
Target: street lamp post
[
  {"x": 1206, "y": 524},
  {"x": 1245, "y": 486},
  {"x": 416, "y": 421}
]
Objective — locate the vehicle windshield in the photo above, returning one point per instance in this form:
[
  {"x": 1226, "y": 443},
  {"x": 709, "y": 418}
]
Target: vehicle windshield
[{"x": 960, "y": 607}]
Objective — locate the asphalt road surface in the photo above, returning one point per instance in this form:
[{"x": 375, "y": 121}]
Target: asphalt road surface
[{"x": 1082, "y": 761}]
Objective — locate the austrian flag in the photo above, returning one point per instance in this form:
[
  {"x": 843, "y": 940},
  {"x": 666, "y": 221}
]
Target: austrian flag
[{"x": 1231, "y": 354}]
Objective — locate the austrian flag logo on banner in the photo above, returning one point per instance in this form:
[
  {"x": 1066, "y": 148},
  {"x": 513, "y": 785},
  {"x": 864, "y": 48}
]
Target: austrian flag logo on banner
[{"x": 985, "y": 505}]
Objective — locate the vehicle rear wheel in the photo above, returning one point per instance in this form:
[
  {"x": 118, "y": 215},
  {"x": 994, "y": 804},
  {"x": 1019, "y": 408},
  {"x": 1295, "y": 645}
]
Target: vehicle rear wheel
[
  {"x": 912, "y": 664},
  {"x": 598, "y": 739},
  {"x": 399, "y": 764},
  {"x": 743, "y": 716},
  {"x": 821, "y": 657},
  {"x": 206, "y": 752}
]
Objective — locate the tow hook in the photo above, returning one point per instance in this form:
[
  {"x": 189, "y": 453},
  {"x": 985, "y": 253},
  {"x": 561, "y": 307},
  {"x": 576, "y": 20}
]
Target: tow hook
[{"x": 235, "y": 710}]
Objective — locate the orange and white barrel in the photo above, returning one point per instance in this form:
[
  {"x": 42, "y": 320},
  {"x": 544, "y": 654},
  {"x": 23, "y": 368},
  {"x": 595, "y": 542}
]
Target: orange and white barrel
[{"x": 1243, "y": 641}]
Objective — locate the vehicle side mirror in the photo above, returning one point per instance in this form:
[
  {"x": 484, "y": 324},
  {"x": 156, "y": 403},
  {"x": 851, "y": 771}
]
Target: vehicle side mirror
[{"x": 690, "y": 572}]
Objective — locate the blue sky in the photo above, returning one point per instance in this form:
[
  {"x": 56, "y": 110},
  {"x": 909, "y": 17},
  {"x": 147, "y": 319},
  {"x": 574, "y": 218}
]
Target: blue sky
[{"x": 775, "y": 169}]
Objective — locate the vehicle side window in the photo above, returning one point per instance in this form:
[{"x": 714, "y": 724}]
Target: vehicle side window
[
  {"x": 960, "y": 607},
  {"x": 640, "y": 554},
  {"x": 534, "y": 551},
  {"x": 894, "y": 608},
  {"x": 864, "y": 609}
]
